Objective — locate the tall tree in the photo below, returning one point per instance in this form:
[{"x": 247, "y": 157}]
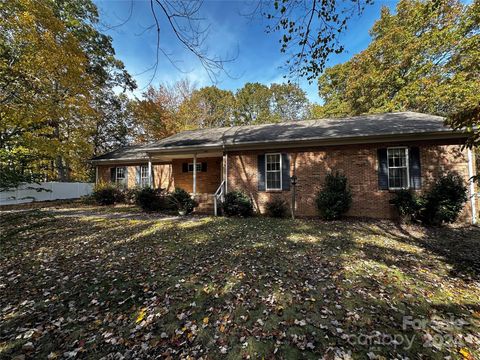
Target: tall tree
[
  {"x": 209, "y": 107},
  {"x": 38, "y": 56},
  {"x": 56, "y": 73},
  {"x": 159, "y": 112},
  {"x": 252, "y": 104},
  {"x": 425, "y": 57},
  {"x": 289, "y": 102}
]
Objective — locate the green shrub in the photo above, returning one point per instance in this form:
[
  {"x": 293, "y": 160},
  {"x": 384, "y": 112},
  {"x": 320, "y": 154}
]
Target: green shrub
[
  {"x": 183, "y": 201},
  {"x": 407, "y": 204},
  {"x": 445, "y": 200},
  {"x": 237, "y": 203},
  {"x": 277, "y": 207},
  {"x": 150, "y": 199},
  {"x": 106, "y": 194},
  {"x": 130, "y": 195},
  {"x": 335, "y": 198}
]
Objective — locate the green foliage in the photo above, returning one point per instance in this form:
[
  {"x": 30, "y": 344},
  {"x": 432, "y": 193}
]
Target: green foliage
[
  {"x": 11, "y": 178},
  {"x": 424, "y": 57},
  {"x": 183, "y": 200},
  {"x": 277, "y": 207},
  {"x": 445, "y": 200},
  {"x": 209, "y": 107},
  {"x": 236, "y": 203},
  {"x": 150, "y": 199},
  {"x": 57, "y": 75},
  {"x": 309, "y": 32},
  {"x": 407, "y": 204},
  {"x": 107, "y": 194},
  {"x": 253, "y": 104},
  {"x": 441, "y": 204},
  {"x": 129, "y": 195},
  {"x": 335, "y": 197}
]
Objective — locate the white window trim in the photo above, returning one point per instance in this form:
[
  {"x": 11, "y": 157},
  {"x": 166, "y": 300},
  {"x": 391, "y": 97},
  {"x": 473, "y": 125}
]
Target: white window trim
[
  {"x": 407, "y": 160},
  {"x": 124, "y": 179},
  {"x": 144, "y": 179},
  {"x": 199, "y": 167},
  {"x": 281, "y": 173}
]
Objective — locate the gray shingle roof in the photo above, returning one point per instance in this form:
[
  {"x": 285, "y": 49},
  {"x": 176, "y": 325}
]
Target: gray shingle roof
[
  {"x": 388, "y": 124},
  {"x": 132, "y": 152}
]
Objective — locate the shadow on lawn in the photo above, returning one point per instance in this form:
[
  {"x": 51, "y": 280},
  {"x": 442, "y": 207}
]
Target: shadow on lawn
[
  {"x": 459, "y": 247},
  {"x": 234, "y": 272}
]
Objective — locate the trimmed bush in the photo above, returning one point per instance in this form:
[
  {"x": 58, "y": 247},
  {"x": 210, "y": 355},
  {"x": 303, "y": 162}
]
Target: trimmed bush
[
  {"x": 335, "y": 198},
  {"x": 106, "y": 194},
  {"x": 277, "y": 207},
  {"x": 130, "y": 195},
  {"x": 183, "y": 201},
  {"x": 150, "y": 199},
  {"x": 237, "y": 203},
  {"x": 445, "y": 200},
  {"x": 407, "y": 204}
]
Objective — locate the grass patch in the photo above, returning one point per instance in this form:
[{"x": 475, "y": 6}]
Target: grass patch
[{"x": 97, "y": 281}]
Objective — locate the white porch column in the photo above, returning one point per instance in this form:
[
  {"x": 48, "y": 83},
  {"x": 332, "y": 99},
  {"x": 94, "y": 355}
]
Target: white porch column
[
  {"x": 149, "y": 172},
  {"x": 194, "y": 174},
  {"x": 473, "y": 195}
]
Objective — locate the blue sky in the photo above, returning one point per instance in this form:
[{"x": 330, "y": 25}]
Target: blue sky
[{"x": 258, "y": 57}]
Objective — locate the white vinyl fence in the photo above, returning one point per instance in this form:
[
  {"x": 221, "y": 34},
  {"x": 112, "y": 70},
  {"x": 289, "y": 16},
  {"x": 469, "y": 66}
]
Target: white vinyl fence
[{"x": 45, "y": 191}]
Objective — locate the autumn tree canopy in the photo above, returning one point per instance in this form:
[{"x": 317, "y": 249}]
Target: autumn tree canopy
[
  {"x": 57, "y": 75},
  {"x": 168, "y": 109},
  {"x": 424, "y": 57}
]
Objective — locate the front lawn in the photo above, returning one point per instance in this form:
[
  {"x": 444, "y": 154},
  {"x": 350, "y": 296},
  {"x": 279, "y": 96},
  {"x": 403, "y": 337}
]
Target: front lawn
[{"x": 94, "y": 283}]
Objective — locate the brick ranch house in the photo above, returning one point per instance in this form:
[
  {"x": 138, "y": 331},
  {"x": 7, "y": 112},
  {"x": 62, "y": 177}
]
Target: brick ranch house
[{"x": 379, "y": 154}]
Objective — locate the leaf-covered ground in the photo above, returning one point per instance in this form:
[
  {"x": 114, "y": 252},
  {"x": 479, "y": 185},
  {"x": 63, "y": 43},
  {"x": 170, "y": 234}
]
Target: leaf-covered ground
[{"x": 115, "y": 283}]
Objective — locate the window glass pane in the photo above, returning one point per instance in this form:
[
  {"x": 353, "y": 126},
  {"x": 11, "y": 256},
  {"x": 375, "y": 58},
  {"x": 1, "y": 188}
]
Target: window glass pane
[
  {"x": 120, "y": 173},
  {"x": 273, "y": 171},
  {"x": 199, "y": 167},
  {"x": 397, "y": 168}
]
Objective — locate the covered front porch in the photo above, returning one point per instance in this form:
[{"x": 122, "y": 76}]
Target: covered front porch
[{"x": 202, "y": 174}]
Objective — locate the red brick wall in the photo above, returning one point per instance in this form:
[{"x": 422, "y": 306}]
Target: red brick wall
[
  {"x": 357, "y": 162},
  {"x": 207, "y": 182},
  {"x": 162, "y": 175}
]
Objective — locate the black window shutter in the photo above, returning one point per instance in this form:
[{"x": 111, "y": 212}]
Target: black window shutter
[
  {"x": 382, "y": 169},
  {"x": 185, "y": 167},
  {"x": 204, "y": 166},
  {"x": 415, "y": 170},
  {"x": 285, "y": 172},
  {"x": 261, "y": 172},
  {"x": 113, "y": 174}
]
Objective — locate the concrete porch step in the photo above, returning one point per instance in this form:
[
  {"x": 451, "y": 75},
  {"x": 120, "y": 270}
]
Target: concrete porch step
[{"x": 205, "y": 204}]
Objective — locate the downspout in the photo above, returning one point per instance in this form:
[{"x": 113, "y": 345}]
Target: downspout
[
  {"x": 471, "y": 180},
  {"x": 96, "y": 174}
]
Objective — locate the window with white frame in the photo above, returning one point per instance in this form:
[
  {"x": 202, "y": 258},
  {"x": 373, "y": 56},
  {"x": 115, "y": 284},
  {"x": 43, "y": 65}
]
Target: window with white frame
[
  {"x": 121, "y": 176},
  {"x": 144, "y": 175},
  {"x": 199, "y": 167},
  {"x": 273, "y": 171},
  {"x": 398, "y": 173}
]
